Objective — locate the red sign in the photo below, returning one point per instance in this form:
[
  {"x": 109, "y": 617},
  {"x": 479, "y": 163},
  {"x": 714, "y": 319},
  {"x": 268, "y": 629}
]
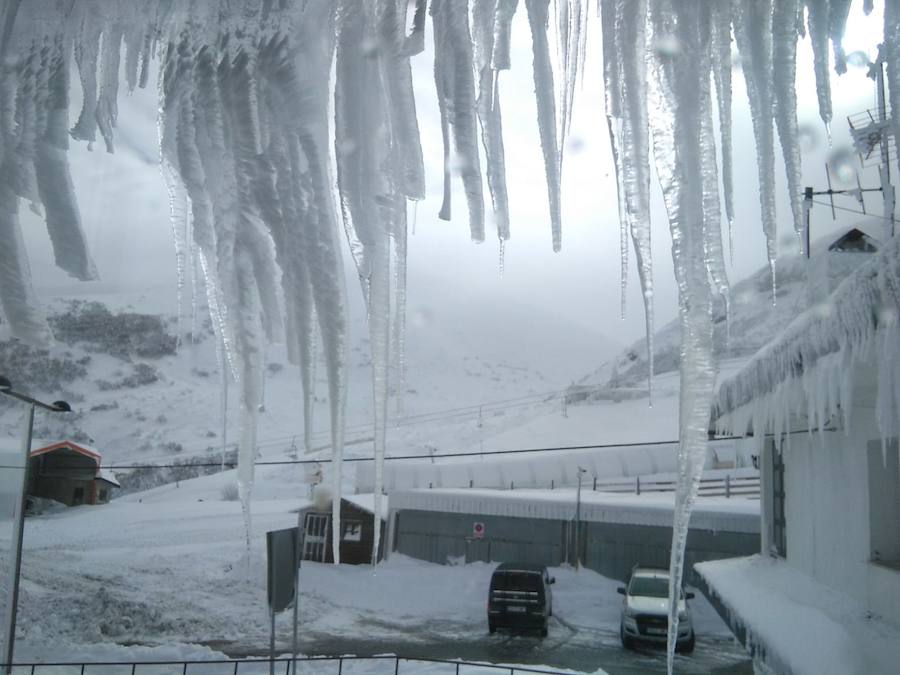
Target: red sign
[{"x": 478, "y": 530}]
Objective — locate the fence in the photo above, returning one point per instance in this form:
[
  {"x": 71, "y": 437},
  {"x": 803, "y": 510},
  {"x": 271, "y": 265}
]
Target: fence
[
  {"x": 306, "y": 665},
  {"x": 727, "y": 486}
]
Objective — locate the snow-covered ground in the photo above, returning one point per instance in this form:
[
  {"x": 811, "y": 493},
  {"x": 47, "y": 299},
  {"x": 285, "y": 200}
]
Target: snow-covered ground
[{"x": 166, "y": 574}]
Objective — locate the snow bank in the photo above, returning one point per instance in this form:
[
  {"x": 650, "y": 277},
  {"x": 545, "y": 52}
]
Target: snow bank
[{"x": 797, "y": 625}]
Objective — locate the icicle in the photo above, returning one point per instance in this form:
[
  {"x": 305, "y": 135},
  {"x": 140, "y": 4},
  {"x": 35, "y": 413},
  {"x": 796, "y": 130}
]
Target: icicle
[
  {"x": 677, "y": 131},
  {"x": 454, "y": 78},
  {"x": 753, "y": 31},
  {"x": 892, "y": 59},
  {"x": 837, "y": 22},
  {"x": 721, "y": 67},
  {"x": 503, "y": 15},
  {"x": 87, "y": 48},
  {"x": 630, "y": 55},
  {"x": 544, "y": 92},
  {"x": 817, "y": 15},
  {"x": 502, "y": 256},
  {"x": 54, "y": 182},
  {"x": 489, "y": 112},
  {"x": 784, "y": 40},
  {"x": 612, "y": 93},
  {"x": 571, "y": 28},
  {"x": 107, "y": 104},
  {"x": 399, "y": 329}
]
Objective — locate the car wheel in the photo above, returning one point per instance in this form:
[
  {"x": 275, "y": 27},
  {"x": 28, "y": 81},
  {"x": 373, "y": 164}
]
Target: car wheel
[
  {"x": 491, "y": 628},
  {"x": 626, "y": 641},
  {"x": 687, "y": 647}
]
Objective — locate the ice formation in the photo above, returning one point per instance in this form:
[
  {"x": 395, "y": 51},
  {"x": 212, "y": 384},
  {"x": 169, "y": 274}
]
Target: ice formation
[
  {"x": 681, "y": 143},
  {"x": 246, "y": 99}
]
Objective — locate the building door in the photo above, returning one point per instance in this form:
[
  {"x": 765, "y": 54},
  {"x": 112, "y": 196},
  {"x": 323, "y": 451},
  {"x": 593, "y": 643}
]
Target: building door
[
  {"x": 78, "y": 496},
  {"x": 315, "y": 536}
]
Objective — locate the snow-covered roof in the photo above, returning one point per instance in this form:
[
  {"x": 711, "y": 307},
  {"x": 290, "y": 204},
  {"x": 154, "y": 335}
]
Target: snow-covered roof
[
  {"x": 63, "y": 445},
  {"x": 710, "y": 513},
  {"x": 367, "y": 503},
  {"x": 538, "y": 469},
  {"x": 819, "y": 349},
  {"x": 796, "y": 624},
  {"x": 107, "y": 476}
]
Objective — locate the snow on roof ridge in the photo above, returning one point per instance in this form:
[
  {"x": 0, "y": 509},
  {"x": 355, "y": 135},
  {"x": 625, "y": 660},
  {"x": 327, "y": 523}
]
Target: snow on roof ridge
[{"x": 819, "y": 348}]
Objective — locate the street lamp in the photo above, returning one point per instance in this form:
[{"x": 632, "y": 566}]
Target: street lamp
[{"x": 19, "y": 524}]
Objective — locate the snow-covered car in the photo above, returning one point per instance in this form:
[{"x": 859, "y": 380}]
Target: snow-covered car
[
  {"x": 645, "y": 610},
  {"x": 520, "y": 597}
]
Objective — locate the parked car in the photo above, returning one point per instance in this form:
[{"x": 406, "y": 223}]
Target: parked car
[
  {"x": 520, "y": 597},
  {"x": 645, "y": 611}
]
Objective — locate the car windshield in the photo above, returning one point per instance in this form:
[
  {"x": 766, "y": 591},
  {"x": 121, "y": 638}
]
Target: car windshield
[
  {"x": 517, "y": 581},
  {"x": 651, "y": 587}
]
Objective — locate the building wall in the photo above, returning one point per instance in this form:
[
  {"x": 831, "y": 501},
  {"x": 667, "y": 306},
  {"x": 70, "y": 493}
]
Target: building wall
[
  {"x": 828, "y": 514},
  {"x": 611, "y": 549}
]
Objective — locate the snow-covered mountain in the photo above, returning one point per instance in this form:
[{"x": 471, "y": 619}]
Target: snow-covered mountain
[
  {"x": 141, "y": 396},
  {"x": 753, "y": 318}
]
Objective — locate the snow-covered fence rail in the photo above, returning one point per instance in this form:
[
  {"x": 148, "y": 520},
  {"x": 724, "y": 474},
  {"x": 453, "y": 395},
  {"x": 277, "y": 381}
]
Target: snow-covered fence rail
[
  {"x": 731, "y": 484},
  {"x": 305, "y": 665}
]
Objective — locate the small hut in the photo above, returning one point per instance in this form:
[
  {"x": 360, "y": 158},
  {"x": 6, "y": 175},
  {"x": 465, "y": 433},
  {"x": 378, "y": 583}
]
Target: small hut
[
  {"x": 357, "y": 530},
  {"x": 70, "y": 474}
]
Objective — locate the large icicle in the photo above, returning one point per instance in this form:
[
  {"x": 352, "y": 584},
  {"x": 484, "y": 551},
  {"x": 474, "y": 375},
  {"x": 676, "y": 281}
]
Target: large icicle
[
  {"x": 484, "y": 17},
  {"x": 892, "y": 58},
  {"x": 455, "y": 81},
  {"x": 612, "y": 94},
  {"x": 538, "y": 17},
  {"x": 677, "y": 76},
  {"x": 819, "y": 26},
  {"x": 753, "y": 31},
  {"x": 721, "y": 65},
  {"x": 838, "y": 10},
  {"x": 631, "y": 41},
  {"x": 787, "y": 13}
]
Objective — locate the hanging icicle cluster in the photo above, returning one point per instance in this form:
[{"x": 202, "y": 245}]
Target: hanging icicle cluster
[{"x": 245, "y": 94}]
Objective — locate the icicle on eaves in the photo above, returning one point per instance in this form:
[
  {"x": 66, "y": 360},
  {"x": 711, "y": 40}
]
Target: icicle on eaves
[
  {"x": 676, "y": 126},
  {"x": 712, "y": 215},
  {"x": 631, "y": 48},
  {"x": 87, "y": 48},
  {"x": 107, "y": 109},
  {"x": 503, "y": 16},
  {"x": 784, "y": 55},
  {"x": 753, "y": 31},
  {"x": 721, "y": 67},
  {"x": 838, "y": 11},
  {"x": 484, "y": 30},
  {"x": 817, "y": 12},
  {"x": 538, "y": 17},
  {"x": 612, "y": 94},
  {"x": 54, "y": 181},
  {"x": 455, "y": 82}
]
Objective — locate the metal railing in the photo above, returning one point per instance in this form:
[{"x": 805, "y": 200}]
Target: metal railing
[
  {"x": 727, "y": 486},
  {"x": 305, "y": 665}
]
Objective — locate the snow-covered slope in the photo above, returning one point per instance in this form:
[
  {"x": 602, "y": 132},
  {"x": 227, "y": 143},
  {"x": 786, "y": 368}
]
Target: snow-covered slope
[
  {"x": 139, "y": 399},
  {"x": 753, "y": 319}
]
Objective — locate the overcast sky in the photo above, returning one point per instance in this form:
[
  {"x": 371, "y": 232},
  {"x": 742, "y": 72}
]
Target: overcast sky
[{"x": 125, "y": 208}]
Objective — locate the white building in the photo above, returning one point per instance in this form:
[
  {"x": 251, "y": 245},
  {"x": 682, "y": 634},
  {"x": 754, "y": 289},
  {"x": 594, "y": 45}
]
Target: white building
[{"x": 822, "y": 402}]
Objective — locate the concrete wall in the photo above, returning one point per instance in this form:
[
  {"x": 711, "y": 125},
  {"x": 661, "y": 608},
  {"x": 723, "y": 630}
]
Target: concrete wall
[
  {"x": 611, "y": 549},
  {"x": 830, "y": 513}
]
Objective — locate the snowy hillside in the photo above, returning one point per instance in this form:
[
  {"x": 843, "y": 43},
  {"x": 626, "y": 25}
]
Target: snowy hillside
[
  {"x": 753, "y": 320},
  {"x": 140, "y": 398}
]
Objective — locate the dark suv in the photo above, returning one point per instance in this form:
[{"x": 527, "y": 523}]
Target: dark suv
[{"x": 520, "y": 597}]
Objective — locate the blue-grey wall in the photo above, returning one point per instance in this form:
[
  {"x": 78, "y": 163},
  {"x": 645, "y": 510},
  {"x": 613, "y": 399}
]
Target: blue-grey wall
[{"x": 611, "y": 549}]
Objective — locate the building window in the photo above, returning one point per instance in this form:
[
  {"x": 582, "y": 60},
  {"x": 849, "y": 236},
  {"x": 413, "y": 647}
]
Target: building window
[
  {"x": 103, "y": 498},
  {"x": 352, "y": 530},
  {"x": 884, "y": 502}
]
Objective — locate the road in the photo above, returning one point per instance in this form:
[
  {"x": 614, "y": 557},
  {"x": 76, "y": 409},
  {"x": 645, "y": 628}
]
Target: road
[{"x": 567, "y": 646}]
